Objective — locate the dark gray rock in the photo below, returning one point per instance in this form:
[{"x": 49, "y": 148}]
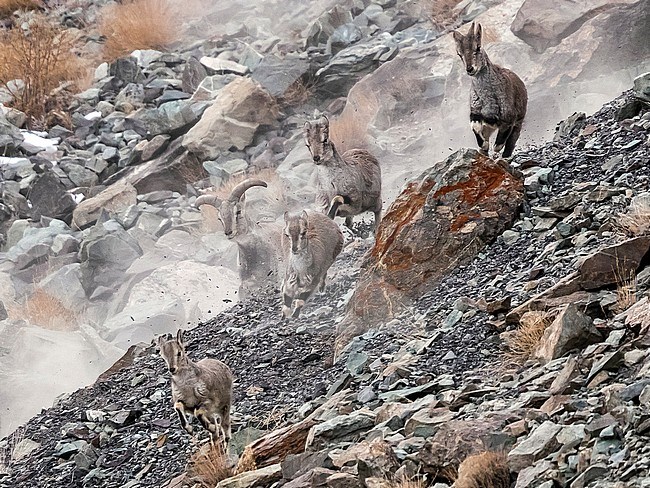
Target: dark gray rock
[
  {"x": 193, "y": 74},
  {"x": 49, "y": 198}
]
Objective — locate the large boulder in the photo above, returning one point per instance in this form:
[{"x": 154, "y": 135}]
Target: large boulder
[
  {"x": 105, "y": 254},
  {"x": 232, "y": 120},
  {"x": 441, "y": 220},
  {"x": 571, "y": 329},
  {"x": 35, "y": 245},
  {"x": 277, "y": 75},
  {"x": 114, "y": 199},
  {"x": 544, "y": 23}
]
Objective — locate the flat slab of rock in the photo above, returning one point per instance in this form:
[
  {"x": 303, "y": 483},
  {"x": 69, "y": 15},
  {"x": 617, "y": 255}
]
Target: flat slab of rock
[
  {"x": 536, "y": 446},
  {"x": 614, "y": 263},
  {"x": 116, "y": 198},
  {"x": 259, "y": 477}
]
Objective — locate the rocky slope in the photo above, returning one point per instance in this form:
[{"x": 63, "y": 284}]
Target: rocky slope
[
  {"x": 97, "y": 215},
  {"x": 427, "y": 377},
  {"x": 101, "y": 235}
]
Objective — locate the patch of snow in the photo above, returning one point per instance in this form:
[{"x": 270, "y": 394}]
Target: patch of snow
[
  {"x": 93, "y": 115},
  {"x": 37, "y": 143}
]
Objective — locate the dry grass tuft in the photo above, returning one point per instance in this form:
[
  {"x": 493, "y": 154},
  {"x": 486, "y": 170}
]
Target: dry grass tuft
[
  {"x": 350, "y": 129},
  {"x": 209, "y": 465},
  {"x": 524, "y": 339},
  {"x": 44, "y": 310},
  {"x": 43, "y": 59},
  {"x": 484, "y": 469},
  {"x": 246, "y": 461},
  {"x": 8, "y": 7},
  {"x": 636, "y": 222},
  {"x": 138, "y": 24},
  {"x": 12, "y": 451},
  {"x": 271, "y": 420},
  {"x": 626, "y": 286},
  {"x": 416, "y": 482}
]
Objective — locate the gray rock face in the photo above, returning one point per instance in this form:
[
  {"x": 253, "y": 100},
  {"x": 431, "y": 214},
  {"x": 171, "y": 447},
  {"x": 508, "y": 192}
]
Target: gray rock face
[
  {"x": 250, "y": 479},
  {"x": 571, "y": 329},
  {"x": 172, "y": 170},
  {"x": 614, "y": 263},
  {"x": 276, "y": 75},
  {"x": 232, "y": 120},
  {"x": 339, "y": 428},
  {"x": 193, "y": 74},
  {"x": 105, "y": 254},
  {"x": 542, "y": 24}
]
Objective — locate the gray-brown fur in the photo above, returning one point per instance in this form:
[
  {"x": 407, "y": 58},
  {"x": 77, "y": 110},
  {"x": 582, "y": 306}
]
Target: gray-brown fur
[
  {"x": 311, "y": 242},
  {"x": 498, "y": 97},
  {"x": 355, "y": 175},
  {"x": 258, "y": 245},
  {"x": 204, "y": 388},
  {"x": 485, "y": 470}
]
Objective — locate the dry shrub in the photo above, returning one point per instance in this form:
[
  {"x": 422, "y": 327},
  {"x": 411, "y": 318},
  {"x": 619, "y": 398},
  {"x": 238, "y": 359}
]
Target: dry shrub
[
  {"x": 8, "y": 7},
  {"x": 209, "y": 465},
  {"x": 350, "y": 129},
  {"x": 138, "y": 24},
  {"x": 441, "y": 13},
  {"x": 43, "y": 58},
  {"x": 524, "y": 339},
  {"x": 297, "y": 94},
  {"x": 44, "y": 310},
  {"x": 191, "y": 173},
  {"x": 484, "y": 469}
]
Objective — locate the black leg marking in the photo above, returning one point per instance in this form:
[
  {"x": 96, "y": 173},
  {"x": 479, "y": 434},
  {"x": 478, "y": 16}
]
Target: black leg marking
[
  {"x": 512, "y": 140},
  {"x": 479, "y": 140},
  {"x": 502, "y": 137}
]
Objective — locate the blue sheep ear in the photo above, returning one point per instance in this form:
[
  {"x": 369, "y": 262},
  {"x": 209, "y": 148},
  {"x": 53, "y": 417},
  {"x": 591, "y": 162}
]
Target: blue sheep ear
[
  {"x": 478, "y": 34},
  {"x": 179, "y": 336}
]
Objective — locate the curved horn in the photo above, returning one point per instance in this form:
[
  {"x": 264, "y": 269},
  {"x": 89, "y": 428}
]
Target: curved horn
[
  {"x": 207, "y": 200},
  {"x": 239, "y": 190}
]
